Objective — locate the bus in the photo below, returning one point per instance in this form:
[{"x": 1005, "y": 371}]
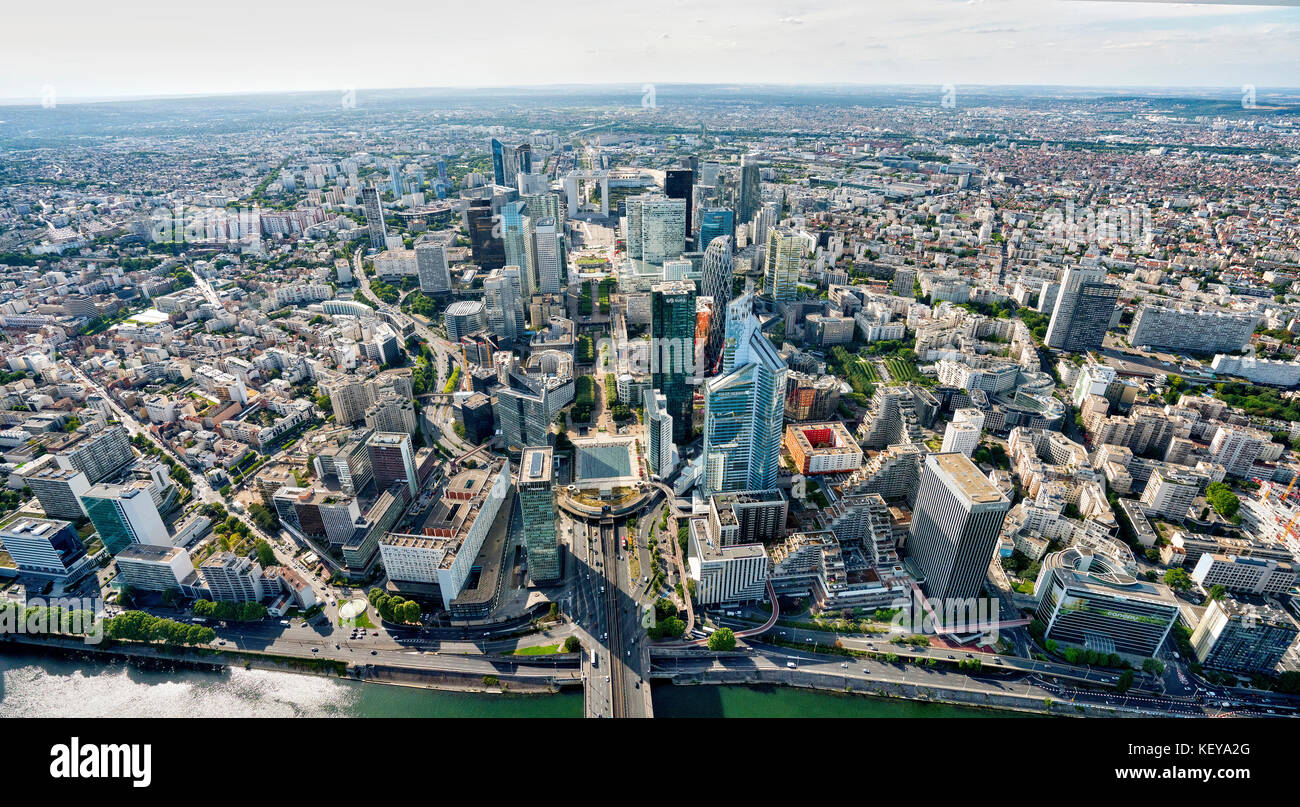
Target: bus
[{"x": 595, "y": 659}]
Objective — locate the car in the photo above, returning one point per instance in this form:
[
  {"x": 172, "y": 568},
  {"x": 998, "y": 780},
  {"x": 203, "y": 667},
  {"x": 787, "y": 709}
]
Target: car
[
  {"x": 997, "y": 660},
  {"x": 337, "y": 647},
  {"x": 374, "y": 652},
  {"x": 951, "y": 656},
  {"x": 865, "y": 671},
  {"x": 315, "y": 650},
  {"x": 844, "y": 666},
  {"x": 607, "y": 679},
  {"x": 790, "y": 664}
]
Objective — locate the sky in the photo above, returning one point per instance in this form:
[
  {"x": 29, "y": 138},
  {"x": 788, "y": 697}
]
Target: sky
[{"x": 89, "y": 48}]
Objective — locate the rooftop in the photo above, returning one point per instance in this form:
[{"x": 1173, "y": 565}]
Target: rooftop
[{"x": 972, "y": 484}]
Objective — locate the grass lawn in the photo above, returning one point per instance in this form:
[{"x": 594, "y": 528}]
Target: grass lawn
[
  {"x": 539, "y": 650},
  {"x": 361, "y": 621}
]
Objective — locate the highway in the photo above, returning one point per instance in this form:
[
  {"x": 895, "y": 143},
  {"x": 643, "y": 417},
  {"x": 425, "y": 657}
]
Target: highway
[{"x": 859, "y": 674}]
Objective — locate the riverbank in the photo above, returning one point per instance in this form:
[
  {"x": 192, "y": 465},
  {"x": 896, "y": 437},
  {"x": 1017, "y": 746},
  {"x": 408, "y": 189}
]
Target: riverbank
[
  {"x": 43, "y": 684},
  {"x": 771, "y": 700},
  {"x": 159, "y": 656}
]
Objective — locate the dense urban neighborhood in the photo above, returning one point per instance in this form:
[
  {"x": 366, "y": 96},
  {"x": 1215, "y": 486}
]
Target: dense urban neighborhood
[{"x": 988, "y": 398}]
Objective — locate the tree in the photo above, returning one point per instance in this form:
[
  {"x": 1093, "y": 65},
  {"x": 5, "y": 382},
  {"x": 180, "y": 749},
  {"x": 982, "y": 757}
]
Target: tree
[
  {"x": 722, "y": 639},
  {"x": 1178, "y": 580},
  {"x": 1125, "y": 681},
  {"x": 572, "y": 645},
  {"x": 1222, "y": 499},
  {"x": 265, "y": 554}
]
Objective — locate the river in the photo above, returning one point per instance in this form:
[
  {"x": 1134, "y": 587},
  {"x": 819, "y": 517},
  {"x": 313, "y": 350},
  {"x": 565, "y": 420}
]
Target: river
[{"x": 34, "y": 685}]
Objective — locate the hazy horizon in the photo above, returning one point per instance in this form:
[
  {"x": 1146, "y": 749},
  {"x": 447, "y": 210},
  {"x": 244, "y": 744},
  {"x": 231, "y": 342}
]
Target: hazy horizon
[{"x": 162, "y": 50}]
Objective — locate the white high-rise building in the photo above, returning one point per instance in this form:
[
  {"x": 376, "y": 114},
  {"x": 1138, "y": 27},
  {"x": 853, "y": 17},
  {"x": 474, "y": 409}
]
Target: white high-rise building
[
  {"x": 659, "y": 426},
  {"x": 546, "y": 252},
  {"x": 1237, "y": 447},
  {"x": 658, "y": 225},
  {"x": 963, "y": 433}
]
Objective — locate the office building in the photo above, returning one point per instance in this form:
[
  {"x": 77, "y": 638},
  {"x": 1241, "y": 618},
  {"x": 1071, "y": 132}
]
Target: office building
[
  {"x": 1082, "y": 312},
  {"x": 503, "y": 303},
  {"x": 955, "y": 526},
  {"x": 677, "y": 185},
  {"x": 781, "y": 270},
  {"x": 744, "y": 416},
  {"x": 750, "y": 198},
  {"x": 663, "y": 229},
  {"x": 465, "y": 318},
  {"x": 392, "y": 459},
  {"x": 537, "y": 504},
  {"x": 431, "y": 267},
  {"x": 672, "y": 351},
  {"x": 125, "y": 515},
  {"x": 509, "y": 161},
  {"x": 444, "y": 554},
  {"x": 59, "y": 490},
  {"x": 375, "y": 218},
  {"x": 1243, "y": 635},
  {"x": 144, "y": 567},
  {"x": 1090, "y": 599},
  {"x": 1243, "y": 574},
  {"x": 724, "y": 574},
  {"x": 45, "y": 549},
  {"x": 486, "y": 246},
  {"x": 548, "y": 257},
  {"x": 517, "y": 236},
  {"x": 747, "y": 517},
  {"x": 716, "y": 283},
  {"x": 716, "y": 222}
]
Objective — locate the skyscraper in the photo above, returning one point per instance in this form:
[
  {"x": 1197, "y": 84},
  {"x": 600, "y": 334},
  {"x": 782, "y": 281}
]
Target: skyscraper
[
  {"x": 485, "y": 241},
  {"x": 735, "y": 327},
  {"x": 715, "y": 282},
  {"x": 659, "y": 429},
  {"x": 750, "y": 197},
  {"x": 375, "y": 218},
  {"x": 672, "y": 350},
  {"x": 392, "y": 459},
  {"x": 781, "y": 272},
  {"x": 744, "y": 414},
  {"x": 517, "y": 235},
  {"x": 677, "y": 185},
  {"x": 1083, "y": 309},
  {"x": 509, "y": 161},
  {"x": 546, "y": 253},
  {"x": 656, "y": 228},
  {"x": 715, "y": 222},
  {"x": 431, "y": 267},
  {"x": 125, "y": 515},
  {"x": 537, "y": 504},
  {"x": 955, "y": 526},
  {"x": 503, "y": 303}
]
